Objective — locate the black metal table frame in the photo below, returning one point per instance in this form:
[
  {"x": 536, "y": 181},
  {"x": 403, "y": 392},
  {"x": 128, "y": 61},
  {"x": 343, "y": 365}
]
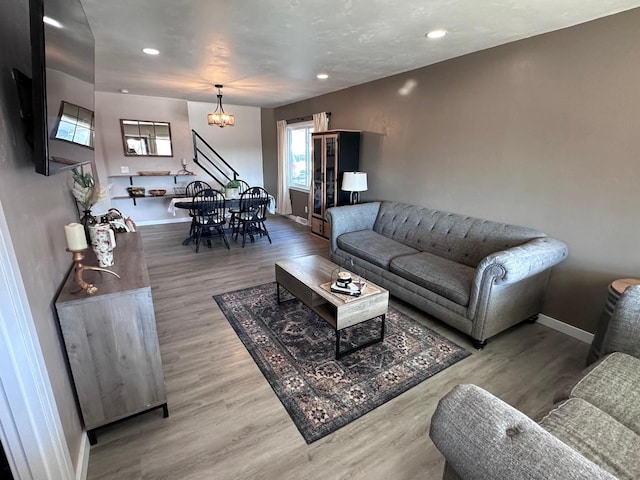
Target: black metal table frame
[{"x": 348, "y": 351}]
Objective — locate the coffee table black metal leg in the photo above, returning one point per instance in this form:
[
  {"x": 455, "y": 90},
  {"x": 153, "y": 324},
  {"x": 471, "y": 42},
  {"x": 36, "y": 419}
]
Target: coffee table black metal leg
[
  {"x": 279, "y": 299},
  {"x": 340, "y": 354}
]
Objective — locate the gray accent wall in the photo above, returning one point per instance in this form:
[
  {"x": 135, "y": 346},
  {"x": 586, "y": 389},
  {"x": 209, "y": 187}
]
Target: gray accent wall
[
  {"x": 269, "y": 150},
  {"x": 542, "y": 133},
  {"x": 36, "y": 209}
]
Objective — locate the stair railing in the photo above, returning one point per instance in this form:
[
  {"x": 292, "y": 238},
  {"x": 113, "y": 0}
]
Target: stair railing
[{"x": 202, "y": 157}]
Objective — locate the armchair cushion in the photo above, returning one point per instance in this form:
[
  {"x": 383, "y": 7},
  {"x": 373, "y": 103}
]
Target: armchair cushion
[
  {"x": 597, "y": 436},
  {"x": 450, "y": 279},
  {"x": 614, "y": 386}
]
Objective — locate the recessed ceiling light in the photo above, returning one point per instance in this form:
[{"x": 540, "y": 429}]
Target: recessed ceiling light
[
  {"x": 436, "y": 33},
  {"x": 151, "y": 51},
  {"x": 124, "y": 90},
  {"x": 51, "y": 21},
  {"x": 322, "y": 76}
]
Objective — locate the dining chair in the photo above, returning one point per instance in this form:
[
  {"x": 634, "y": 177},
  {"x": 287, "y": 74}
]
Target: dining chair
[
  {"x": 244, "y": 186},
  {"x": 194, "y": 187},
  {"x": 252, "y": 214},
  {"x": 208, "y": 216},
  {"x": 190, "y": 190},
  {"x": 234, "y": 212}
]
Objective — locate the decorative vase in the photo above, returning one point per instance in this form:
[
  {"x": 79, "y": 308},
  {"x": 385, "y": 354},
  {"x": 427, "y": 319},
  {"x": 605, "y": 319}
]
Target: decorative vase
[
  {"x": 103, "y": 241},
  {"x": 87, "y": 221}
]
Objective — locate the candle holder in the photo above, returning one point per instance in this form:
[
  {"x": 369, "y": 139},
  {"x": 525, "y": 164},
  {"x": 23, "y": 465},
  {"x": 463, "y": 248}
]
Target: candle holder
[
  {"x": 184, "y": 170},
  {"x": 89, "y": 288}
]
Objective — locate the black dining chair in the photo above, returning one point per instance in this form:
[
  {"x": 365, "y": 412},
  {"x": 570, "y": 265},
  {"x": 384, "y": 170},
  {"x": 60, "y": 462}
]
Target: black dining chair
[
  {"x": 190, "y": 190},
  {"x": 244, "y": 186},
  {"x": 252, "y": 213},
  {"x": 208, "y": 216},
  {"x": 194, "y": 187}
]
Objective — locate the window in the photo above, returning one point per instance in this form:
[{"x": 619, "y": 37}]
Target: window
[{"x": 299, "y": 154}]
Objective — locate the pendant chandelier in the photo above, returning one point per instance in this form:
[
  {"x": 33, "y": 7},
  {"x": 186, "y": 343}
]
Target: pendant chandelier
[{"x": 218, "y": 117}]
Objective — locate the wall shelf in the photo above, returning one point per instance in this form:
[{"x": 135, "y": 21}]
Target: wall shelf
[{"x": 131, "y": 176}]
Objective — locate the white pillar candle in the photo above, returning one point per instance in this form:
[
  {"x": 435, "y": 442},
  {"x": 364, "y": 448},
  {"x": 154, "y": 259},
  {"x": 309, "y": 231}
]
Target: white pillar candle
[{"x": 76, "y": 239}]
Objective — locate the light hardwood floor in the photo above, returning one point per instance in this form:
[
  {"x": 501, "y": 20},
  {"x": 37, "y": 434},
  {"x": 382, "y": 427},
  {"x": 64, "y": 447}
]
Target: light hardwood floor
[{"x": 225, "y": 421}]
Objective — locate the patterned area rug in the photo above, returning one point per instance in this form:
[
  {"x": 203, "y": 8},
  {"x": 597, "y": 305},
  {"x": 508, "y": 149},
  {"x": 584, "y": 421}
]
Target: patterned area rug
[{"x": 295, "y": 350}]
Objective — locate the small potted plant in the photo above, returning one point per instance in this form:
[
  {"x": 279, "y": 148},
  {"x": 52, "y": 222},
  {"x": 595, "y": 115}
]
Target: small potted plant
[{"x": 232, "y": 189}]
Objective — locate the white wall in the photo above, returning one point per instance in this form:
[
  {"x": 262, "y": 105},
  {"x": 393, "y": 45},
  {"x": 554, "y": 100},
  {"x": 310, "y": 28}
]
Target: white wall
[{"x": 240, "y": 145}]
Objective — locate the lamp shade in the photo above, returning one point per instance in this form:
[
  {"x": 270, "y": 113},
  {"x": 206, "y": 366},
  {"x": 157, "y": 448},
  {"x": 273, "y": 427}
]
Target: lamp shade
[{"x": 354, "y": 181}]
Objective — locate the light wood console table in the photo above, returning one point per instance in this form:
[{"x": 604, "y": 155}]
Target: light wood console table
[{"x": 111, "y": 339}]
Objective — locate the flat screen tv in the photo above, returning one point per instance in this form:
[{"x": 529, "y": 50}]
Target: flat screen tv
[{"x": 63, "y": 70}]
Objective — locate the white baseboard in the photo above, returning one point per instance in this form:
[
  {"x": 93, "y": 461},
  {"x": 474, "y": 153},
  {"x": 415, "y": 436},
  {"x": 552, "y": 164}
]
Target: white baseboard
[
  {"x": 163, "y": 221},
  {"x": 565, "y": 328},
  {"x": 82, "y": 469},
  {"x": 297, "y": 219}
]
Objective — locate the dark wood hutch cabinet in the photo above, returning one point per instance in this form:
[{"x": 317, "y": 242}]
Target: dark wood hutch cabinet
[{"x": 334, "y": 152}]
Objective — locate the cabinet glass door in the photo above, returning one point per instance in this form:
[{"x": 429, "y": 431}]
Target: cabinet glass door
[
  {"x": 331, "y": 163},
  {"x": 317, "y": 175}
]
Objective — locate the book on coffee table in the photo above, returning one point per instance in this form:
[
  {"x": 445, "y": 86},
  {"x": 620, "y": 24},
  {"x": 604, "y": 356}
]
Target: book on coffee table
[{"x": 354, "y": 289}]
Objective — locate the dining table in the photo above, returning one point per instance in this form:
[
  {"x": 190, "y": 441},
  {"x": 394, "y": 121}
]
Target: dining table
[{"x": 186, "y": 203}]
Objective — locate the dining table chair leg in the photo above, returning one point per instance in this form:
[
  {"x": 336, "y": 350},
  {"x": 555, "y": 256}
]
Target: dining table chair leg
[{"x": 224, "y": 237}]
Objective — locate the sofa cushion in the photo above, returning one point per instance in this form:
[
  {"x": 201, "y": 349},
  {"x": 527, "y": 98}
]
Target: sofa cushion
[
  {"x": 614, "y": 387},
  {"x": 373, "y": 247},
  {"x": 452, "y": 236},
  {"x": 597, "y": 436},
  {"x": 446, "y": 278}
]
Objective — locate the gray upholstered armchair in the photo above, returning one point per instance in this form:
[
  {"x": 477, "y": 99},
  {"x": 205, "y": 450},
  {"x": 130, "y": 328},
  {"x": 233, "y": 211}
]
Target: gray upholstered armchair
[{"x": 593, "y": 434}]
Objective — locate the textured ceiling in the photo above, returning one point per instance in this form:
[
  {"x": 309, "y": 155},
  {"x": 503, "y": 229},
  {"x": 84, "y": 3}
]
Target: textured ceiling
[{"x": 268, "y": 52}]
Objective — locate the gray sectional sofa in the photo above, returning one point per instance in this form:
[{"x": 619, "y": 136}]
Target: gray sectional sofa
[
  {"x": 594, "y": 433},
  {"x": 479, "y": 276}
]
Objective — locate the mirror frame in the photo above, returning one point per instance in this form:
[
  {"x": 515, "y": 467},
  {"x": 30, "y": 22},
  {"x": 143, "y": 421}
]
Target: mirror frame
[{"x": 154, "y": 123}]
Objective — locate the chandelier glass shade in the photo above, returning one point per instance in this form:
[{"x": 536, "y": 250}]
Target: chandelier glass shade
[{"x": 219, "y": 117}]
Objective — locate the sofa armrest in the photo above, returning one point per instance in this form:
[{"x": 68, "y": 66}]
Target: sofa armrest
[
  {"x": 482, "y": 437},
  {"x": 623, "y": 332},
  {"x": 518, "y": 263},
  {"x": 351, "y": 218}
]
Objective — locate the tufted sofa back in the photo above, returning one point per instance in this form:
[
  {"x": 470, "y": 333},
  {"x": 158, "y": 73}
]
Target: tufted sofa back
[{"x": 456, "y": 237}]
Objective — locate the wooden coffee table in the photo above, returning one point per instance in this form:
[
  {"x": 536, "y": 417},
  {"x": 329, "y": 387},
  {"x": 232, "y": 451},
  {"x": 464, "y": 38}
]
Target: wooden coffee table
[{"x": 307, "y": 279}]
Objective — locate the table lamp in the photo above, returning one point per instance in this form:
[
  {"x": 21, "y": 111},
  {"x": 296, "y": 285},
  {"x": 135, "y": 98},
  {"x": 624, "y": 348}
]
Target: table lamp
[{"x": 354, "y": 182}]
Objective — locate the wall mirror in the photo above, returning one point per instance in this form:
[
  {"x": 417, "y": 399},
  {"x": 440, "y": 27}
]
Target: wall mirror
[
  {"x": 141, "y": 138},
  {"x": 75, "y": 125}
]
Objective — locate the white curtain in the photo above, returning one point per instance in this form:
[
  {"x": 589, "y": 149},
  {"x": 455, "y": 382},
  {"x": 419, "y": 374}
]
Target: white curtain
[
  {"x": 320, "y": 122},
  {"x": 283, "y": 201}
]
